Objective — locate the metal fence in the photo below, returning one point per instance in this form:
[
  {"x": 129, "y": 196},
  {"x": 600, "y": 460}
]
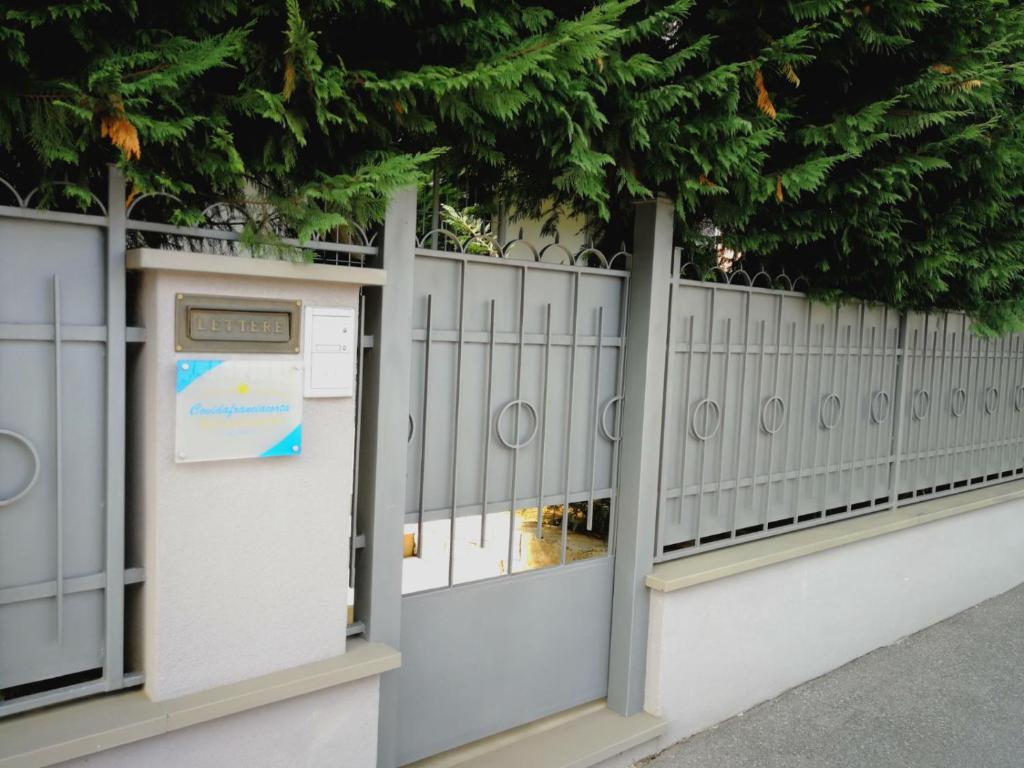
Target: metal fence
[
  {"x": 64, "y": 341},
  {"x": 63, "y": 345},
  {"x": 781, "y": 413},
  {"x": 518, "y": 357}
]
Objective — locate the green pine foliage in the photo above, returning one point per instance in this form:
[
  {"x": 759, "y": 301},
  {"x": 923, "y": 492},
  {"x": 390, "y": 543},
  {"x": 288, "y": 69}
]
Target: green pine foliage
[
  {"x": 898, "y": 173},
  {"x": 875, "y": 147}
]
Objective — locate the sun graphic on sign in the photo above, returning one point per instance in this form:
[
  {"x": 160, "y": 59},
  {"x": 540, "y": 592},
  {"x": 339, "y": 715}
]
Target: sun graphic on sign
[{"x": 243, "y": 389}]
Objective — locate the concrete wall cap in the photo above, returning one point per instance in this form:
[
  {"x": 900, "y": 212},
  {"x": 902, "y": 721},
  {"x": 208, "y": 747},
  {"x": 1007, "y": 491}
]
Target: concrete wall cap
[{"x": 209, "y": 263}]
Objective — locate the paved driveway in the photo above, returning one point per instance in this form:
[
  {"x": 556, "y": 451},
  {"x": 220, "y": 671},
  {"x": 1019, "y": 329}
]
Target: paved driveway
[{"x": 949, "y": 696}]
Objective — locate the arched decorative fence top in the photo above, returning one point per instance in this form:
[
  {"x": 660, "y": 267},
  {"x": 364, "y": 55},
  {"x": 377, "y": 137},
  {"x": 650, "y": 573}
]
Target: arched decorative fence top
[
  {"x": 521, "y": 249},
  {"x": 35, "y": 195},
  {"x": 223, "y": 226},
  {"x": 740, "y": 276}
]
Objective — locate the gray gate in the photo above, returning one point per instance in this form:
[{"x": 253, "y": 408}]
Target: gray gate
[
  {"x": 511, "y": 486},
  {"x": 62, "y": 390}
]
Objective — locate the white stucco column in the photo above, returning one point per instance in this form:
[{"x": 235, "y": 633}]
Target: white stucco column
[{"x": 246, "y": 561}]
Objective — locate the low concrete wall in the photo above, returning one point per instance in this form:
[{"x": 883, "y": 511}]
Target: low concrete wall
[
  {"x": 336, "y": 727},
  {"x": 718, "y": 648}
]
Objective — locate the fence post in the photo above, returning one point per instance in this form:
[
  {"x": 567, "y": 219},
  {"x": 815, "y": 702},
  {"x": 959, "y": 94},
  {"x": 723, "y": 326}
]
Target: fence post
[
  {"x": 383, "y": 428},
  {"x": 116, "y": 397},
  {"x": 646, "y": 337}
]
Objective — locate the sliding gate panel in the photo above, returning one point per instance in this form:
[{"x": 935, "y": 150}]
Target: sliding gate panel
[
  {"x": 53, "y": 442},
  {"x": 512, "y": 463}
]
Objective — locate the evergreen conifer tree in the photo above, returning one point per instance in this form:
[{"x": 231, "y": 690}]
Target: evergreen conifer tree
[{"x": 875, "y": 147}]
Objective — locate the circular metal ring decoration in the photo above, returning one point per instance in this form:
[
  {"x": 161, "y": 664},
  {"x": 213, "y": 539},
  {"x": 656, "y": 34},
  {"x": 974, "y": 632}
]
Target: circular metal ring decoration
[
  {"x": 1018, "y": 399},
  {"x": 837, "y": 410},
  {"x": 529, "y": 438},
  {"x": 879, "y": 408},
  {"x": 922, "y": 404},
  {"x": 412, "y": 429},
  {"x": 958, "y": 401},
  {"x": 775, "y": 406},
  {"x": 707, "y": 406},
  {"x": 991, "y": 400},
  {"x": 604, "y": 414},
  {"x": 35, "y": 466}
]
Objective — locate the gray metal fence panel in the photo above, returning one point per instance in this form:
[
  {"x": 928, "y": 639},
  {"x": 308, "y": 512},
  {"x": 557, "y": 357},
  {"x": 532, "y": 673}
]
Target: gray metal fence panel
[
  {"x": 781, "y": 413},
  {"x": 962, "y": 417},
  {"x": 62, "y": 369},
  {"x": 517, "y": 371}
]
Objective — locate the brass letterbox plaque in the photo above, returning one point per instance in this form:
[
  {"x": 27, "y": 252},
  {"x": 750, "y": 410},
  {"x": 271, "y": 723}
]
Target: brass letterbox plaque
[{"x": 233, "y": 324}]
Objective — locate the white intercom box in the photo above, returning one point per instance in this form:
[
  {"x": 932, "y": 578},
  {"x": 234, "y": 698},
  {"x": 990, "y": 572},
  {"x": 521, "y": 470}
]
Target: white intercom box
[{"x": 330, "y": 343}]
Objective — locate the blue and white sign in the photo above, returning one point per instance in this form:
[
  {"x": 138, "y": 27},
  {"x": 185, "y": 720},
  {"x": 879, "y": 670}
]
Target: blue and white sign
[{"x": 237, "y": 409}]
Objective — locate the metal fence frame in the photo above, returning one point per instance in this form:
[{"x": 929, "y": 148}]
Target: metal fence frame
[
  {"x": 523, "y": 260},
  {"x": 221, "y": 233},
  {"x": 866, "y": 402},
  {"x": 115, "y": 336}
]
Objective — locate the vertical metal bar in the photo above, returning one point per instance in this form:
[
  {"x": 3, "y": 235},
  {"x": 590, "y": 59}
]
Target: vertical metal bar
[
  {"x": 818, "y": 426},
  {"x": 950, "y": 440},
  {"x": 920, "y": 447},
  {"x": 1011, "y": 391},
  {"x": 435, "y": 208},
  {"x": 423, "y": 425},
  {"x": 515, "y": 419},
  {"x": 1004, "y": 396},
  {"x": 719, "y": 470},
  {"x": 803, "y": 415},
  {"x": 115, "y": 375},
  {"x": 666, "y": 389},
  {"x": 955, "y": 444},
  {"x": 754, "y": 435},
  {"x": 597, "y": 414},
  {"x": 935, "y": 404},
  {"x": 775, "y": 392},
  {"x": 880, "y": 442},
  {"x": 684, "y": 412},
  {"x": 828, "y": 433},
  {"x": 1019, "y": 430},
  {"x": 868, "y": 455},
  {"x": 58, "y": 407},
  {"x": 570, "y": 397},
  {"x": 993, "y": 424},
  {"x": 789, "y": 406},
  {"x": 968, "y": 424},
  {"x": 543, "y": 423},
  {"x": 844, "y": 415},
  {"x": 620, "y": 393},
  {"x": 899, "y": 404},
  {"x": 487, "y": 425},
  {"x": 707, "y": 410},
  {"x": 739, "y": 421},
  {"x": 857, "y": 421},
  {"x": 928, "y": 428},
  {"x": 978, "y": 433},
  {"x": 913, "y": 451},
  {"x": 353, "y": 532},
  {"x": 458, "y": 414}
]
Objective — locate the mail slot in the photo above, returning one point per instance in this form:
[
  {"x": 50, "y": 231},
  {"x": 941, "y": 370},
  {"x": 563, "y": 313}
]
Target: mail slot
[{"x": 234, "y": 324}]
